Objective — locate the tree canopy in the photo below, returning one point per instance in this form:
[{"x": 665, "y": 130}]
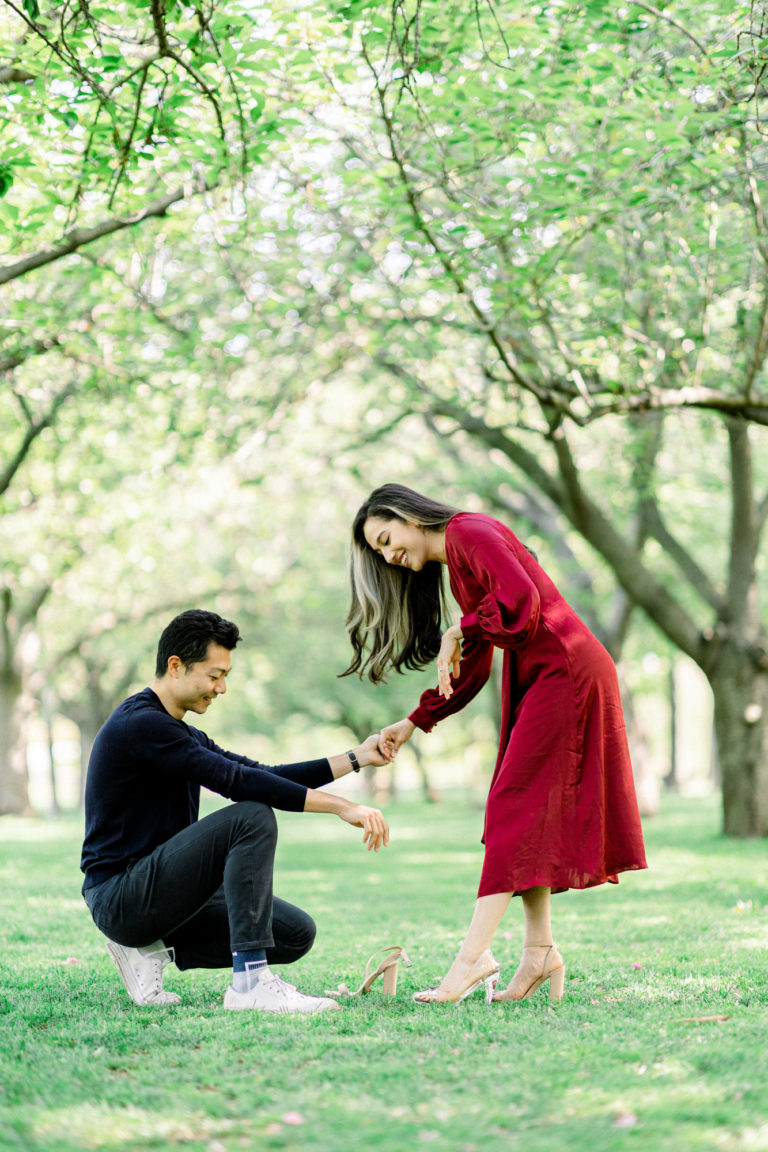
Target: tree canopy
[{"x": 523, "y": 253}]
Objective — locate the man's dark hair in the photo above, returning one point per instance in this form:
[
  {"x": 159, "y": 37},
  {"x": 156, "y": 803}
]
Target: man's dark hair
[{"x": 189, "y": 634}]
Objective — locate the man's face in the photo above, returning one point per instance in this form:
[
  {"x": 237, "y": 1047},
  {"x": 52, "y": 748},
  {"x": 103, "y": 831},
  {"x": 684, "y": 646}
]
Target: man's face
[{"x": 195, "y": 688}]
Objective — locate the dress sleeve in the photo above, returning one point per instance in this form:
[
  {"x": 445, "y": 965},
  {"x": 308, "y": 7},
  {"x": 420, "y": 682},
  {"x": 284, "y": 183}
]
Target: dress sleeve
[
  {"x": 507, "y": 614},
  {"x": 474, "y": 670}
]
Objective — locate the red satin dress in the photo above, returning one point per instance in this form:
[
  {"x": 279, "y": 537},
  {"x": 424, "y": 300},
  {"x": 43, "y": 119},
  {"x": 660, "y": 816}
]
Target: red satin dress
[{"x": 561, "y": 810}]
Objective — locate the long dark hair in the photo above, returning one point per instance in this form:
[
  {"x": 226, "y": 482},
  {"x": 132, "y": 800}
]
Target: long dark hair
[{"x": 395, "y": 613}]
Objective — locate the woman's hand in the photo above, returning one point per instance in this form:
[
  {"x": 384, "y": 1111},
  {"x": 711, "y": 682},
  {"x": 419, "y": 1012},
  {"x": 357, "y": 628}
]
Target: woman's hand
[
  {"x": 376, "y": 829},
  {"x": 449, "y": 660},
  {"x": 372, "y": 751},
  {"x": 394, "y": 735}
]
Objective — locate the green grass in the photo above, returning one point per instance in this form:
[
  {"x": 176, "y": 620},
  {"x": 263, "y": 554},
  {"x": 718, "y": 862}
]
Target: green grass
[{"x": 621, "y": 1064}]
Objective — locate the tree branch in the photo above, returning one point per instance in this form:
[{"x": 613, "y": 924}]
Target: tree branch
[
  {"x": 743, "y": 549},
  {"x": 658, "y": 400},
  {"x": 34, "y": 604},
  {"x": 544, "y": 395},
  {"x": 567, "y": 493},
  {"x": 761, "y": 515},
  {"x": 79, "y": 237},
  {"x": 643, "y": 587},
  {"x": 544, "y": 518},
  {"x": 33, "y": 431},
  {"x": 681, "y": 557},
  {"x": 757, "y": 359},
  {"x": 67, "y": 58},
  {"x": 675, "y": 24},
  {"x": 754, "y": 196},
  {"x": 14, "y": 360},
  {"x": 651, "y": 524}
]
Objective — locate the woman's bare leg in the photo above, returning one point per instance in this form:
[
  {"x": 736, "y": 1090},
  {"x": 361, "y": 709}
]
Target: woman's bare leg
[
  {"x": 539, "y": 954},
  {"x": 538, "y": 925},
  {"x": 474, "y": 958}
]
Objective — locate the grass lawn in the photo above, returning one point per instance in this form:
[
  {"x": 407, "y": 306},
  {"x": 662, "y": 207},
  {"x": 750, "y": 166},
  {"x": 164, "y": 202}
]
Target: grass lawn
[{"x": 628, "y": 1061}]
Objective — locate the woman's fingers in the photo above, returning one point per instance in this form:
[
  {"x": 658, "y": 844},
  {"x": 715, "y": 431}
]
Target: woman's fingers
[
  {"x": 448, "y": 663},
  {"x": 444, "y": 685},
  {"x": 389, "y": 745},
  {"x": 394, "y": 735}
]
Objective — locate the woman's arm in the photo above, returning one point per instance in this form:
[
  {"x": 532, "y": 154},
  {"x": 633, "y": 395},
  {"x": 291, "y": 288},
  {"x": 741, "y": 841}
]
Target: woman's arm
[{"x": 433, "y": 706}]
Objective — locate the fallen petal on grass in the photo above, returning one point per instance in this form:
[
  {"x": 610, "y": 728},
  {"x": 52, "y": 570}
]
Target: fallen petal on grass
[{"x": 292, "y": 1118}]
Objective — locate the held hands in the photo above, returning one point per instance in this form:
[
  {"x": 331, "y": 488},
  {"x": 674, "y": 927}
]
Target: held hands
[
  {"x": 372, "y": 751},
  {"x": 393, "y": 736},
  {"x": 449, "y": 660}
]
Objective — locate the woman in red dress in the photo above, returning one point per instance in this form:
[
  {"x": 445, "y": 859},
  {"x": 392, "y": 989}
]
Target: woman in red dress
[{"x": 561, "y": 811}]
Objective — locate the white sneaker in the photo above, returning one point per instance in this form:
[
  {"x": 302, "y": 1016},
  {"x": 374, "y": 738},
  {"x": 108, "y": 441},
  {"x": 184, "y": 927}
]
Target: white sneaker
[
  {"x": 141, "y": 970},
  {"x": 271, "y": 994}
]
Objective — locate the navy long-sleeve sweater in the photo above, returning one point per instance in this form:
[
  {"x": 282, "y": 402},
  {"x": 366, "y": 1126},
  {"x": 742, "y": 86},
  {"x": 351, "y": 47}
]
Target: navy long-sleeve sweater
[{"x": 144, "y": 779}]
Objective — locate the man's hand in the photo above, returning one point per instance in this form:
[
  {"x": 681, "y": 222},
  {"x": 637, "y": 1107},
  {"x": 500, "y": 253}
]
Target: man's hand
[{"x": 376, "y": 829}]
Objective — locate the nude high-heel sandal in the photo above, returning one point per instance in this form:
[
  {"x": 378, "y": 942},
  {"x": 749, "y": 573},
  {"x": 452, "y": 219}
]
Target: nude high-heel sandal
[
  {"x": 387, "y": 969},
  {"x": 552, "y": 969},
  {"x": 488, "y": 977}
]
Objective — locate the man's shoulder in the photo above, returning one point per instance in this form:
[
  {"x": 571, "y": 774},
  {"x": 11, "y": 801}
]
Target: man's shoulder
[
  {"x": 142, "y": 710},
  {"x": 140, "y": 704}
]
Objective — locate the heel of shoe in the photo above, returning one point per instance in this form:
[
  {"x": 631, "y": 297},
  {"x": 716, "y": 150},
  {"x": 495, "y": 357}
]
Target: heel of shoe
[
  {"x": 387, "y": 969},
  {"x": 389, "y": 978},
  {"x": 490, "y": 983},
  {"x": 556, "y": 985}
]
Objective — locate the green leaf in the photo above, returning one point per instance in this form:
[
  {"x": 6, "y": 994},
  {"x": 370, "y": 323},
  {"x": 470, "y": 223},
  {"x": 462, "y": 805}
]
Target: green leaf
[{"x": 6, "y": 179}]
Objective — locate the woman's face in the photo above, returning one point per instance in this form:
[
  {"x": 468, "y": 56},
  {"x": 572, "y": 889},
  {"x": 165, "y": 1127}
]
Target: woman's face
[{"x": 398, "y": 542}]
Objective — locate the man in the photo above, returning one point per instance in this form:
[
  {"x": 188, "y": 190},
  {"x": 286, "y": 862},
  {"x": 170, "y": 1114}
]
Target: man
[{"x": 162, "y": 884}]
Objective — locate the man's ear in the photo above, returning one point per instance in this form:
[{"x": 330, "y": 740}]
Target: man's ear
[{"x": 175, "y": 667}]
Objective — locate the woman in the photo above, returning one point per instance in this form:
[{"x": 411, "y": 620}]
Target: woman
[{"x": 561, "y": 811}]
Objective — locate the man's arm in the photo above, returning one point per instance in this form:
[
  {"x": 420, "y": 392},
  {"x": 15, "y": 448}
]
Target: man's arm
[
  {"x": 375, "y": 827},
  {"x": 316, "y": 773}
]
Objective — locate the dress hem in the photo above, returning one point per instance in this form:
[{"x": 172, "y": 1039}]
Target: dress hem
[{"x": 494, "y": 888}]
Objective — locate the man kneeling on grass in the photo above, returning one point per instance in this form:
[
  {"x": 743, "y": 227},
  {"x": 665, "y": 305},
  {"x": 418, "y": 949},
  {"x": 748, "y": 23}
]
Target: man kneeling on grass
[{"x": 162, "y": 884}]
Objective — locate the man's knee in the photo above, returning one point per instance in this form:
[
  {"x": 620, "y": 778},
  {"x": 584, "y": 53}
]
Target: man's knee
[
  {"x": 294, "y": 931},
  {"x": 305, "y": 931},
  {"x": 256, "y": 817}
]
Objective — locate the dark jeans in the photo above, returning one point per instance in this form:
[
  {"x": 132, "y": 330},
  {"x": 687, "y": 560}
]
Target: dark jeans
[{"x": 206, "y": 892}]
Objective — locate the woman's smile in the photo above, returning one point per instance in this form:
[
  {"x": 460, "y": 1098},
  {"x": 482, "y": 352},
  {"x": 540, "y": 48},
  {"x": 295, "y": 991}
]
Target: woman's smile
[{"x": 402, "y": 544}]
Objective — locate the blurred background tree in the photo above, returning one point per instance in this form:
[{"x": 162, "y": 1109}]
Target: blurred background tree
[{"x": 257, "y": 261}]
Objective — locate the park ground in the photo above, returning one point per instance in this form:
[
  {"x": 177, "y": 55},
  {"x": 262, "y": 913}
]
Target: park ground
[{"x": 659, "y": 1044}]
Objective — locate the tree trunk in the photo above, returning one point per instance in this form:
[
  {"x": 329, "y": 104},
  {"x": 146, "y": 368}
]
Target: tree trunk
[
  {"x": 88, "y": 730},
  {"x": 13, "y": 752},
  {"x": 741, "y": 723}
]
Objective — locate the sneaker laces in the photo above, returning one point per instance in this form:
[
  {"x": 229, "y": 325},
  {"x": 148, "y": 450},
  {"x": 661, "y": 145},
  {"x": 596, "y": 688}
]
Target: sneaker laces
[
  {"x": 278, "y": 985},
  {"x": 159, "y": 961}
]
